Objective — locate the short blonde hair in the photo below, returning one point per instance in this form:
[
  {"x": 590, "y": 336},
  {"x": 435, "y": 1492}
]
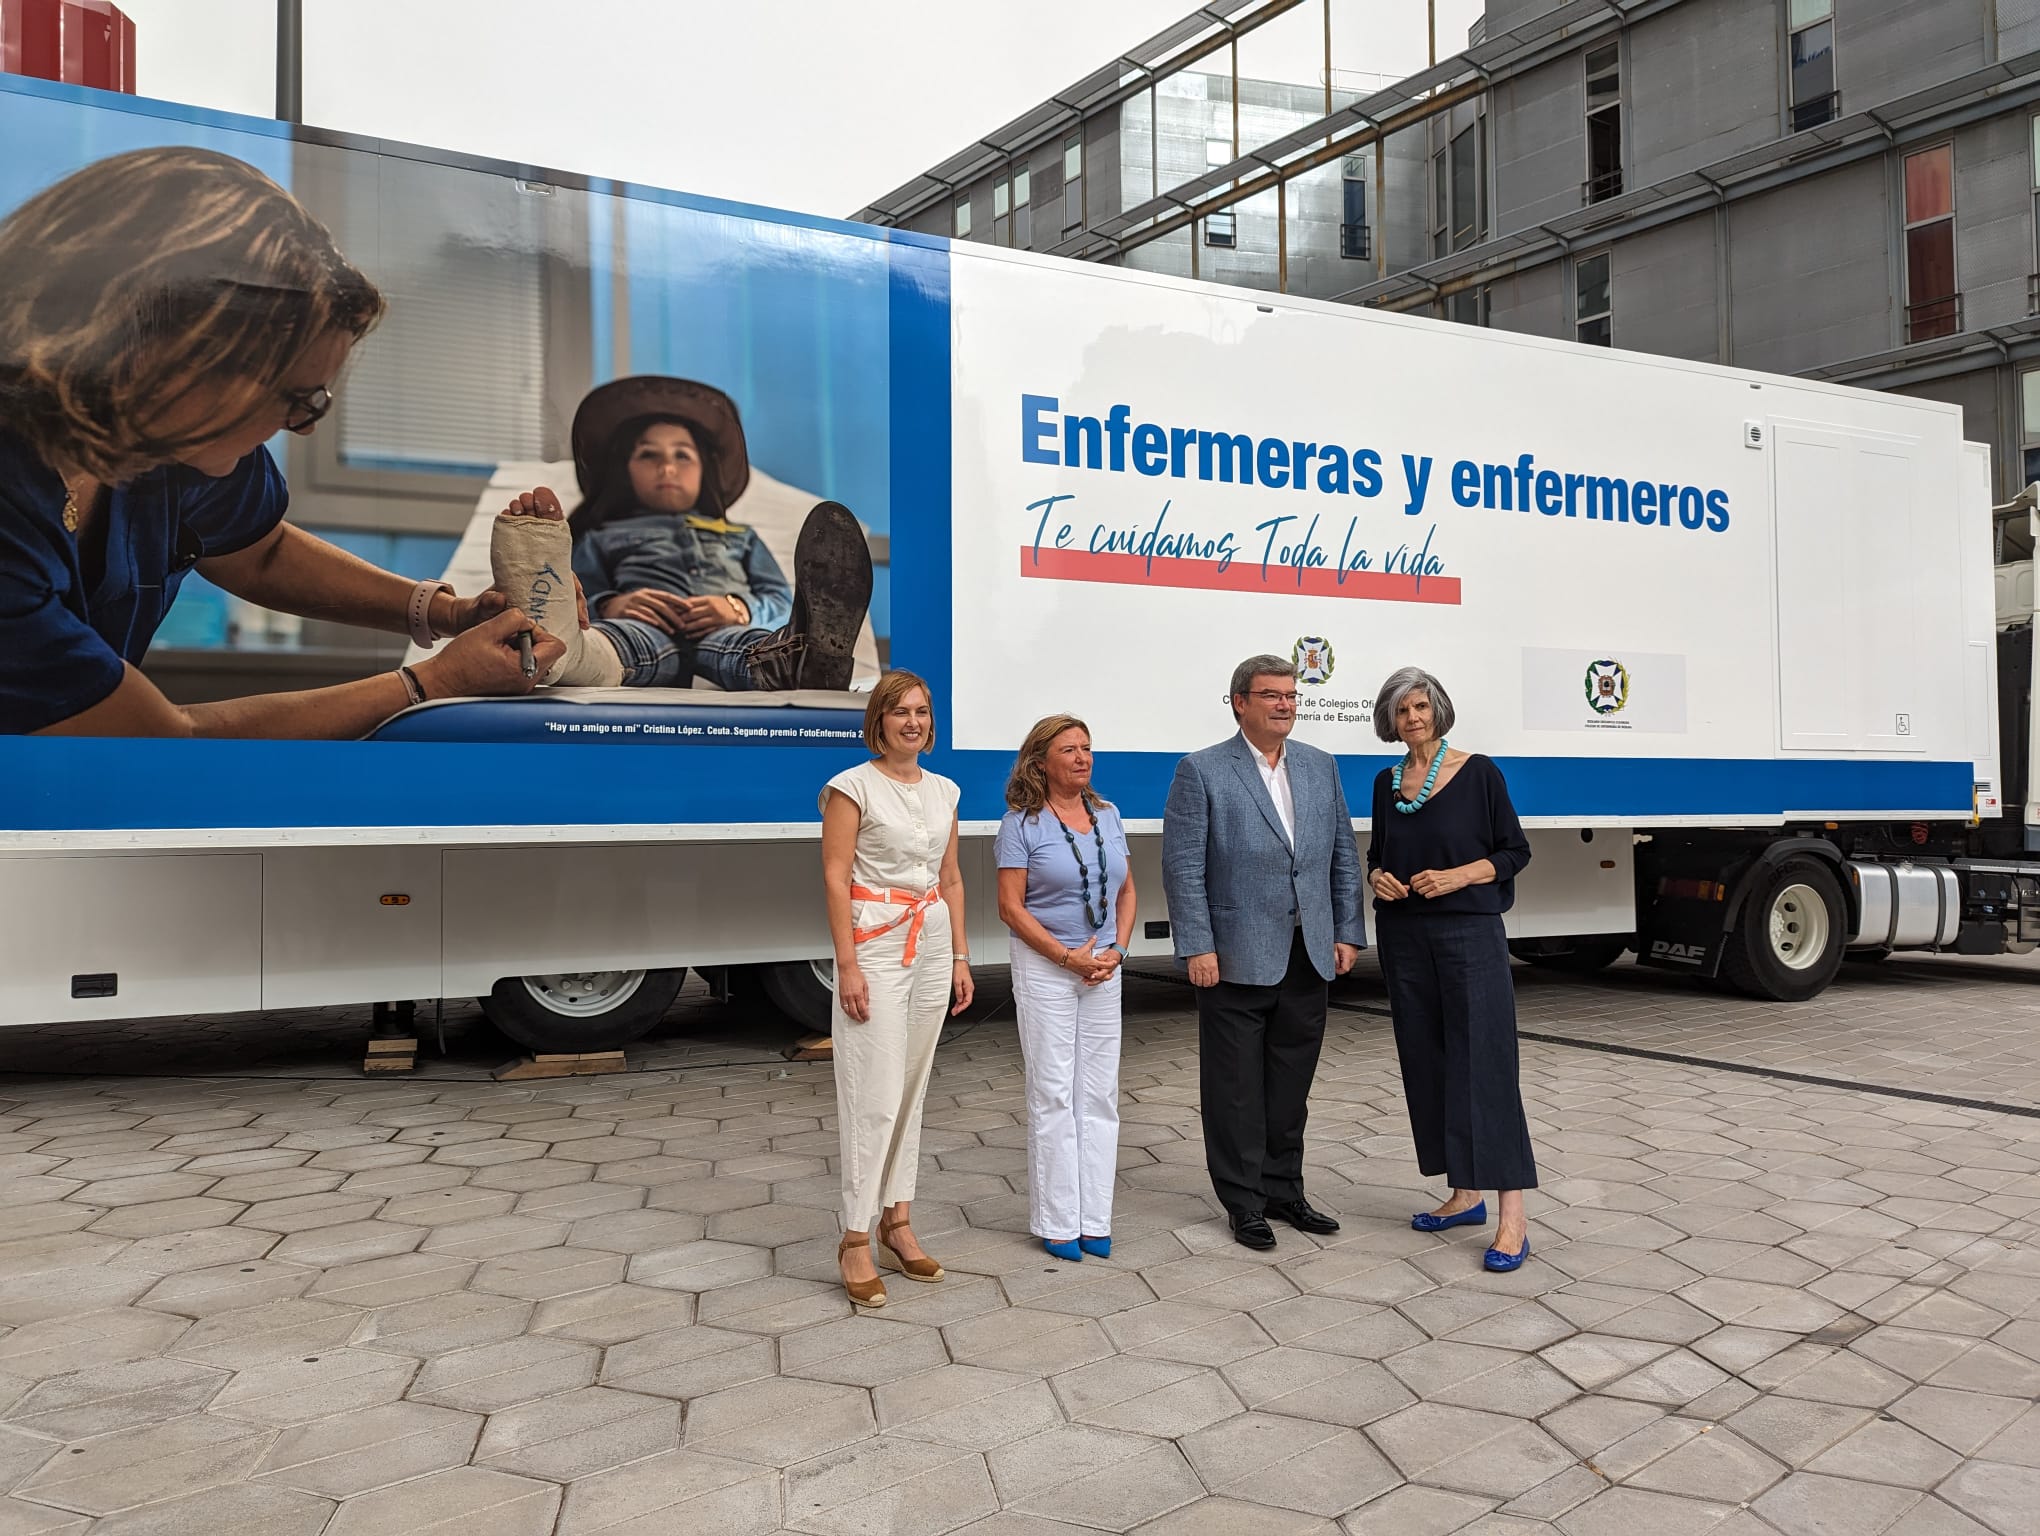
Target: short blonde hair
[
  {"x": 1027, "y": 788},
  {"x": 892, "y": 687}
]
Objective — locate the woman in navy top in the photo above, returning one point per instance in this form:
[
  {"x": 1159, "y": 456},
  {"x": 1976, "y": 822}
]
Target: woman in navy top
[
  {"x": 163, "y": 313},
  {"x": 1067, "y": 894},
  {"x": 1446, "y": 850}
]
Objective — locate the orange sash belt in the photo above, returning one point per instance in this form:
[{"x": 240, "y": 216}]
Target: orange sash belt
[{"x": 915, "y": 915}]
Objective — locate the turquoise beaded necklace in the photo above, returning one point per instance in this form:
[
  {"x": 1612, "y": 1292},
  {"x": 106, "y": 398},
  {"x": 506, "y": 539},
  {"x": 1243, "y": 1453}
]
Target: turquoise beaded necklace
[{"x": 1411, "y": 807}]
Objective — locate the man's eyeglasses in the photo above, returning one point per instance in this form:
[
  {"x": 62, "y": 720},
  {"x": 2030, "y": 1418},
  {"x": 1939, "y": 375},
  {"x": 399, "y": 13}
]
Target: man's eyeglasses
[
  {"x": 1270, "y": 696},
  {"x": 305, "y": 407}
]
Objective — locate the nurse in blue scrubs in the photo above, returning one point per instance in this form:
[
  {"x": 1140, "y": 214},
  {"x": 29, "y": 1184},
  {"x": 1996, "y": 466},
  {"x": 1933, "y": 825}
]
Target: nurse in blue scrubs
[{"x": 163, "y": 313}]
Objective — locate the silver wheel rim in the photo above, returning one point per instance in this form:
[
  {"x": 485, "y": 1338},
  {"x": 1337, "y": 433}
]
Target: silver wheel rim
[
  {"x": 825, "y": 974},
  {"x": 583, "y": 994},
  {"x": 1798, "y": 927}
]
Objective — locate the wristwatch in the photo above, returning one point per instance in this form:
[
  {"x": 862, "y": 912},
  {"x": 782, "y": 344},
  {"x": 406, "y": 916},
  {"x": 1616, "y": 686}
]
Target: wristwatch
[{"x": 1122, "y": 950}]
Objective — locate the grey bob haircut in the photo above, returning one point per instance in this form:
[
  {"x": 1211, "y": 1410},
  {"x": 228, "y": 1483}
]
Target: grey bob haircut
[
  {"x": 1244, "y": 674},
  {"x": 1401, "y": 683}
]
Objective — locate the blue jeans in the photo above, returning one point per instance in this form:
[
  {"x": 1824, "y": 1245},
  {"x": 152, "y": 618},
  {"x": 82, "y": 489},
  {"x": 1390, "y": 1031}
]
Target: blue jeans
[{"x": 654, "y": 659}]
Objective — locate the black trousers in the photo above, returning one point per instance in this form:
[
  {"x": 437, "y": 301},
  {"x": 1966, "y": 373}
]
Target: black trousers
[
  {"x": 1258, "y": 1050},
  {"x": 1454, "y": 1006}
]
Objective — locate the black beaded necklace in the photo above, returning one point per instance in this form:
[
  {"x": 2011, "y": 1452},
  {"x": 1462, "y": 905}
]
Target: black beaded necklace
[{"x": 1095, "y": 919}]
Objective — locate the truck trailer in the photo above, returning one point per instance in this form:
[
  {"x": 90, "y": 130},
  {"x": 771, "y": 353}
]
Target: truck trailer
[{"x": 1739, "y": 643}]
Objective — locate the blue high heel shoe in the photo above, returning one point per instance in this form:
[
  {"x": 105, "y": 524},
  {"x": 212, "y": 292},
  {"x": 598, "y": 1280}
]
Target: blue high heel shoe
[
  {"x": 1474, "y": 1215},
  {"x": 1501, "y": 1263},
  {"x": 1058, "y": 1250},
  {"x": 1096, "y": 1247}
]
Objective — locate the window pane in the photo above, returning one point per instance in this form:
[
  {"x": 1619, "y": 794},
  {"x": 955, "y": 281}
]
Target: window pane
[
  {"x": 1604, "y": 76},
  {"x": 1353, "y": 208},
  {"x": 1805, "y": 12},
  {"x": 2036, "y": 151},
  {"x": 1217, "y": 152},
  {"x": 1930, "y": 262},
  {"x": 1813, "y": 62},
  {"x": 1073, "y": 158},
  {"x": 963, "y": 219},
  {"x": 2029, "y": 404},
  {"x": 1440, "y": 201},
  {"x": 1023, "y": 228},
  {"x": 1001, "y": 199},
  {"x": 1598, "y": 333},
  {"x": 1022, "y": 181},
  {"x": 2032, "y": 465},
  {"x": 1073, "y": 203},
  {"x": 1591, "y": 285},
  {"x": 1465, "y": 189},
  {"x": 1604, "y": 155},
  {"x": 1930, "y": 184}
]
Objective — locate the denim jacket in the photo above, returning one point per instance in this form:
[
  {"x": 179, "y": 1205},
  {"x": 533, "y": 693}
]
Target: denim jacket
[{"x": 687, "y": 555}]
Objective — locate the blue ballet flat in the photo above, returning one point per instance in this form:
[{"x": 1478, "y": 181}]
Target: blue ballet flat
[
  {"x": 1474, "y": 1215},
  {"x": 1058, "y": 1250},
  {"x": 1096, "y": 1247},
  {"x": 1501, "y": 1263}
]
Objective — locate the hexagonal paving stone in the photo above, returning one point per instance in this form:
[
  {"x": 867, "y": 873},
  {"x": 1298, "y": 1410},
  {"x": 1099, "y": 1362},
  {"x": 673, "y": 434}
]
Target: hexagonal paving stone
[
  {"x": 539, "y": 1274},
  {"x": 1022, "y": 1340},
  {"x": 779, "y": 1421},
  {"x": 349, "y": 1242},
  {"x": 462, "y": 1499},
  {"x": 110, "y": 1398},
  {"x": 243, "y": 1507},
  {"x": 778, "y": 1305},
  {"x": 438, "y": 1325},
  {"x": 493, "y": 1377},
  {"x": 862, "y": 1351},
  {"x": 688, "y": 1362},
  {"x": 302, "y": 1388},
  {"x": 637, "y": 1231},
  {"x": 61, "y": 1345},
  {"x": 578, "y": 1433},
  {"x": 176, "y": 1253},
  {"x": 700, "y": 1266},
  {"x": 706, "y": 1197},
  {"x": 1469, "y": 1451},
  {"x": 391, "y": 1281},
  {"x": 967, "y": 1407},
  {"x": 891, "y": 1485},
  {"x": 274, "y": 1330},
  {"x": 168, "y": 1216},
  {"x": 145, "y": 1466},
  {"x": 369, "y": 1448},
  {"x": 1294, "y": 1464},
  {"x": 200, "y": 1293},
  {"x": 674, "y": 1491},
  {"x": 615, "y": 1314}
]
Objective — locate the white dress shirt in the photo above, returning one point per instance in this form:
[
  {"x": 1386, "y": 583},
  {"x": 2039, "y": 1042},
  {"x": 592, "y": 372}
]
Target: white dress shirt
[{"x": 1276, "y": 778}]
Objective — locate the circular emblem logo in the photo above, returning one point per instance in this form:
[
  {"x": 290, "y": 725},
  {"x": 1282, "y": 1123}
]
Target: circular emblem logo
[
  {"x": 1312, "y": 655},
  {"x": 1607, "y": 687}
]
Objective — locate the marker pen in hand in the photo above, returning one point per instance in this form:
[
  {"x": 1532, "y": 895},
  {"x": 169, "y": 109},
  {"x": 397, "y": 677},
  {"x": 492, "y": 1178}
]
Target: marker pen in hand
[{"x": 524, "y": 656}]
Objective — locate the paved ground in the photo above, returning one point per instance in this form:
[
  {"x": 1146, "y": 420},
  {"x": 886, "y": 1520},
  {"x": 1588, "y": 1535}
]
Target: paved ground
[{"x": 244, "y": 1290}]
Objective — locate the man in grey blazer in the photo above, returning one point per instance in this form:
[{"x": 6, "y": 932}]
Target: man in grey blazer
[{"x": 1263, "y": 880}]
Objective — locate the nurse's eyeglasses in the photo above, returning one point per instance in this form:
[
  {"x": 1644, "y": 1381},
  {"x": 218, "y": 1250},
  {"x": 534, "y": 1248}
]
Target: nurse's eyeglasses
[{"x": 304, "y": 407}]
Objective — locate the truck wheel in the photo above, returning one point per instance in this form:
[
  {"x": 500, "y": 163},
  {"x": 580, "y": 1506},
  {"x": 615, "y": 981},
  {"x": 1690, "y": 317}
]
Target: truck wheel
[
  {"x": 571, "y": 1011},
  {"x": 1580, "y": 957},
  {"x": 1787, "y": 944},
  {"x": 803, "y": 990}
]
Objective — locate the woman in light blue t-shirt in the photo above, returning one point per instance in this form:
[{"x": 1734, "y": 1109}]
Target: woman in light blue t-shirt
[{"x": 1067, "y": 894}]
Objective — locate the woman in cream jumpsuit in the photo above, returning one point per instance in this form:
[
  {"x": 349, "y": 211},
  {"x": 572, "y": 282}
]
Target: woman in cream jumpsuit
[{"x": 895, "y": 897}]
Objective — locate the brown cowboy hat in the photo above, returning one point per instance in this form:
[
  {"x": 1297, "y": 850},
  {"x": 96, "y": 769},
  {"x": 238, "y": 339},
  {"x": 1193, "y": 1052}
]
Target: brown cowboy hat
[{"x": 707, "y": 410}]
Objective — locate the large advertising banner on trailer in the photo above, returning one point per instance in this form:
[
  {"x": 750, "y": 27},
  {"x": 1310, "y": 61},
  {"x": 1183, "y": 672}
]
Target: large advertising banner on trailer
[{"x": 1160, "y": 482}]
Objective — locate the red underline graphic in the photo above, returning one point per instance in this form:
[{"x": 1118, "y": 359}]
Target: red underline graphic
[{"x": 1240, "y": 576}]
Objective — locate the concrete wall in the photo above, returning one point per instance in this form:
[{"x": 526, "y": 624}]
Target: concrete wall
[
  {"x": 1811, "y": 264},
  {"x": 1664, "y": 290},
  {"x": 1531, "y": 303},
  {"x": 1539, "y": 130},
  {"x": 1702, "y": 82},
  {"x": 1994, "y": 220},
  {"x": 1887, "y": 48}
]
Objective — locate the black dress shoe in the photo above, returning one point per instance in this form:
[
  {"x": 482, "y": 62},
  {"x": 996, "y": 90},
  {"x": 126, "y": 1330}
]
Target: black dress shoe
[
  {"x": 1250, "y": 1230},
  {"x": 1300, "y": 1215}
]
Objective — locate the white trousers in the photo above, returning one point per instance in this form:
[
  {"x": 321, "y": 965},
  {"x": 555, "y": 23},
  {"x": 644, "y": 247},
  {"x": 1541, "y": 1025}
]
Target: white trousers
[
  {"x": 1069, "y": 1036},
  {"x": 882, "y": 1067}
]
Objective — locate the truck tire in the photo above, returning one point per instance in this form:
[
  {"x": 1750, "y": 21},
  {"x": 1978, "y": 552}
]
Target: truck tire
[
  {"x": 803, "y": 990},
  {"x": 573, "y": 1011},
  {"x": 1787, "y": 943},
  {"x": 1580, "y": 957}
]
